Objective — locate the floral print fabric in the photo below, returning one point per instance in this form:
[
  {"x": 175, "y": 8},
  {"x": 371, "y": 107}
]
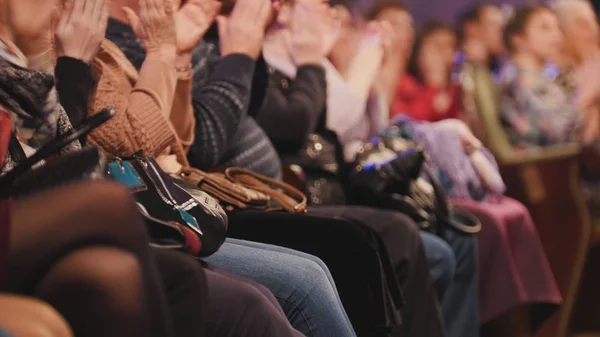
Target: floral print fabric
[{"x": 535, "y": 110}]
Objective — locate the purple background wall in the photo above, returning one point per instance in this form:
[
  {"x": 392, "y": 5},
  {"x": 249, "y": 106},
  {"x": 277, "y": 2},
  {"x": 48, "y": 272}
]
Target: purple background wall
[
  {"x": 449, "y": 10},
  {"x": 442, "y": 10}
]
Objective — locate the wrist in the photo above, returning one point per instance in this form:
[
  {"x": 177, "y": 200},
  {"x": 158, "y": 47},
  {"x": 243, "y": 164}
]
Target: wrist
[
  {"x": 165, "y": 53},
  {"x": 183, "y": 60},
  {"x": 305, "y": 60},
  {"x": 252, "y": 53},
  {"x": 183, "y": 65},
  {"x": 77, "y": 56}
]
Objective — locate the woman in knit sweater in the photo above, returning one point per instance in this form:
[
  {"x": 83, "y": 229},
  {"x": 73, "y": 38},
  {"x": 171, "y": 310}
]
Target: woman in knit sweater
[{"x": 154, "y": 114}]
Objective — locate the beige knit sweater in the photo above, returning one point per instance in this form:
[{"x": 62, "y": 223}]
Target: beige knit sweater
[{"x": 153, "y": 108}]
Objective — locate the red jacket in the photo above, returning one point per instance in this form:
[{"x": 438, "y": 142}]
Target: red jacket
[{"x": 416, "y": 100}]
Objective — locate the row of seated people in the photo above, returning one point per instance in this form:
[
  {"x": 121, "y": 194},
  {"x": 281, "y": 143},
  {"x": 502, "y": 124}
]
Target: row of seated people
[
  {"x": 524, "y": 84},
  {"x": 191, "y": 93}
]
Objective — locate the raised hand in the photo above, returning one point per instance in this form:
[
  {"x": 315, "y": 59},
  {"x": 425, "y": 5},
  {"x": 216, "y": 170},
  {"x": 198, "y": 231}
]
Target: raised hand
[
  {"x": 388, "y": 41},
  {"x": 80, "y": 28},
  {"x": 307, "y": 41},
  {"x": 331, "y": 28},
  {"x": 155, "y": 25},
  {"x": 367, "y": 61},
  {"x": 244, "y": 30},
  {"x": 192, "y": 21},
  {"x": 393, "y": 63}
]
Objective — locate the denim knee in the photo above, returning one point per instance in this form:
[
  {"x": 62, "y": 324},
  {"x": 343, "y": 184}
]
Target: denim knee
[
  {"x": 442, "y": 262},
  {"x": 301, "y": 285},
  {"x": 465, "y": 252},
  {"x": 311, "y": 303}
]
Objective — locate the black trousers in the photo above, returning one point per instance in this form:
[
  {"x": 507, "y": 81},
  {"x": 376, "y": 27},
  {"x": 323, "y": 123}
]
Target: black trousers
[
  {"x": 372, "y": 254},
  {"x": 402, "y": 242},
  {"x": 209, "y": 302}
]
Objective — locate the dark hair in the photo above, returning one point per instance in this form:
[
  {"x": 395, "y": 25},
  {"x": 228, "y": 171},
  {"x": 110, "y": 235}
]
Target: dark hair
[
  {"x": 518, "y": 22},
  {"x": 471, "y": 15},
  {"x": 382, "y": 5},
  {"x": 428, "y": 30}
]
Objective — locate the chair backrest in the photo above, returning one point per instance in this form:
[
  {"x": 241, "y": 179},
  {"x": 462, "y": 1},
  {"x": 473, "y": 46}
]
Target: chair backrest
[{"x": 486, "y": 97}]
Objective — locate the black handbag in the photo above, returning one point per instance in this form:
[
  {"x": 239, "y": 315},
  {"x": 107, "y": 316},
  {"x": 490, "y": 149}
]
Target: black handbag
[
  {"x": 320, "y": 157},
  {"x": 175, "y": 217},
  {"x": 387, "y": 173}
]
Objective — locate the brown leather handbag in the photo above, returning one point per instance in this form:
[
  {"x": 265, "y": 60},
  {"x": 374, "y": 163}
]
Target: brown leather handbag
[{"x": 239, "y": 188}]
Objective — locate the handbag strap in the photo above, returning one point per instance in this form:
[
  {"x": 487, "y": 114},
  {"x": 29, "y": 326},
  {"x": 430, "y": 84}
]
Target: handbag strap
[
  {"x": 288, "y": 197},
  {"x": 193, "y": 176}
]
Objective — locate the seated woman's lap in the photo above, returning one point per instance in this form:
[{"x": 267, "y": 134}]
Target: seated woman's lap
[
  {"x": 301, "y": 285},
  {"x": 284, "y": 250},
  {"x": 239, "y": 307}
]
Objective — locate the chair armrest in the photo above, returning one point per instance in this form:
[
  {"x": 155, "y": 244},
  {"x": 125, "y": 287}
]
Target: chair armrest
[
  {"x": 28, "y": 317},
  {"x": 549, "y": 153}
]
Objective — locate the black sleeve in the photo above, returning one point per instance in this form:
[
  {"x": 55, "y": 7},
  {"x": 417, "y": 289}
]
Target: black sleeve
[
  {"x": 260, "y": 83},
  {"x": 219, "y": 106},
  {"x": 290, "y": 114},
  {"x": 74, "y": 83}
]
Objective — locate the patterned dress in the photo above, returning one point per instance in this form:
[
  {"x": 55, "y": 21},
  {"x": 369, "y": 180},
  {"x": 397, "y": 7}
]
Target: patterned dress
[{"x": 535, "y": 110}]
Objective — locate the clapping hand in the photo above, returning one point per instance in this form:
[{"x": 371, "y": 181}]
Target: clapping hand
[
  {"x": 154, "y": 26},
  {"x": 80, "y": 28},
  {"x": 244, "y": 30},
  {"x": 192, "y": 21},
  {"x": 313, "y": 31},
  {"x": 331, "y": 28}
]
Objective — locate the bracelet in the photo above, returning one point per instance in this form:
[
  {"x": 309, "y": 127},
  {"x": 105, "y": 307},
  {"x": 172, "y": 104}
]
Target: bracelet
[{"x": 184, "y": 69}]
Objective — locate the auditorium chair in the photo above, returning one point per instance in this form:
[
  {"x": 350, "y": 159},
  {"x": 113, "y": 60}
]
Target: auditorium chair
[{"x": 547, "y": 182}]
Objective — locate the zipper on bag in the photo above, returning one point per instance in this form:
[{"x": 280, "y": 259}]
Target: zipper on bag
[{"x": 167, "y": 197}]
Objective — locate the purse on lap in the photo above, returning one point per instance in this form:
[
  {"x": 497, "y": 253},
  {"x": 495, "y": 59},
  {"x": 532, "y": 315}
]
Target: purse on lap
[
  {"x": 241, "y": 189},
  {"x": 387, "y": 174},
  {"x": 176, "y": 218}
]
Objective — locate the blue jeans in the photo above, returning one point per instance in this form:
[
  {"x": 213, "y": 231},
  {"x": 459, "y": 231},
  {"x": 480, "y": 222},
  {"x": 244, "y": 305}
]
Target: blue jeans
[
  {"x": 453, "y": 269},
  {"x": 4, "y": 333},
  {"x": 301, "y": 283}
]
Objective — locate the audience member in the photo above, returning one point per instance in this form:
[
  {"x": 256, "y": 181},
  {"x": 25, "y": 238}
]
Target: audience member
[
  {"x": 136, "y": 97},
  {"x": 297, "y": 60},
  {"x": 580, "y": 55},
  {"x": 221, "y": 87},
  {"x": 535, "y": 110},
  {"x": 427, "y": 91},
  {"x": 97, "y": 273},
  {"x": 481, "y": 35},
  {"x": 249, "y": 83}
]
